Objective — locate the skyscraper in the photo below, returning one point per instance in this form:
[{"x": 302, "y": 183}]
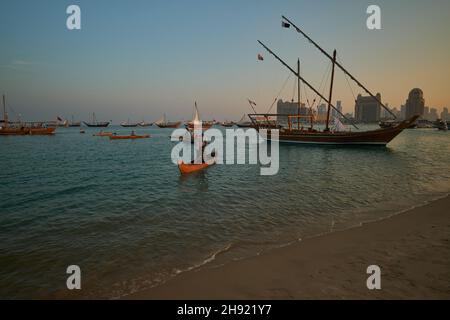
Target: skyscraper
[
  {"x": 339, "y": 108},
  {"x": 444, "y": 114},
  {"x": 367, "y": 109},
  {"x": 415, "y": 105}
]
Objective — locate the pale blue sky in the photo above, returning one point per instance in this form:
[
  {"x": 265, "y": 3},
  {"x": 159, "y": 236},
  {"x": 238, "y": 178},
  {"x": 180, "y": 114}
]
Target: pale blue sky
[{"x": 135, "y": 59}]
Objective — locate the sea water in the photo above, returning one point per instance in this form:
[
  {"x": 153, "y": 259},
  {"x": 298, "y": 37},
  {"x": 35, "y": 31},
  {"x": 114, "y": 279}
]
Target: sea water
[{"x": 122, "y": 212}]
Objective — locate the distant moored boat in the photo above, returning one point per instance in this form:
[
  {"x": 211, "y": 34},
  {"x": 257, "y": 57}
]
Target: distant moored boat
[
  {"x": 163, "y": 123},
  {"x": 95, "y": 123}
]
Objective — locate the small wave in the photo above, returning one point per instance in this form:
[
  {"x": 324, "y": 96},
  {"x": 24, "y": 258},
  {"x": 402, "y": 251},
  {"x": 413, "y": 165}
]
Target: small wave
[{"x": 210, "y": 259}]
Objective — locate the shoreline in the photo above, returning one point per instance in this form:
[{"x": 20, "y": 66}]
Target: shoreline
[{"x": 411, "y": 247}]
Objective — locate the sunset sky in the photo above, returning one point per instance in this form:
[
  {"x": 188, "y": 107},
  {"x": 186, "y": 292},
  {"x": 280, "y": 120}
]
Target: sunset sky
[{"x": 138, "y": 59}]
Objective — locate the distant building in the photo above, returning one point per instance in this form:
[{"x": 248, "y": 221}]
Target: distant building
[
  {"x": 339, "y": 108},
  {"x": 433, "y": 114},
  {"x": 385, "y": 114},
  {"x": 445, "y": 115},
  {"x": 290, "y": 108},
  {"x": 426, "y": 113},
  {"x": 415, "y": 105},
  {"x": 396, "y": 112},
  {"x": 403, "y": 112},
  {"x": 322, "y": 113},
  {"x": 367, "y": 109}
]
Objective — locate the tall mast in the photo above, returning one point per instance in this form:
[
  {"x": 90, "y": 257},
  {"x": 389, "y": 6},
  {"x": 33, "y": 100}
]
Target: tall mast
[
  {"x": 307, "y": 83},
  {"x": 340, "y": 66},
  {"x": 5, "y": 113},
  {"x": 298, "y": 94},
  {"x": 327, "y": 128}
]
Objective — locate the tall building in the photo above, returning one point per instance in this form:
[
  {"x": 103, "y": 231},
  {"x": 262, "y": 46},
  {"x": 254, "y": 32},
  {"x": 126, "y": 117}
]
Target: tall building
[
  {"x": 445, "y": 115},
  {"x": 339, "y": 108},
  {"x": 367, "y": 109},
  {"x": 322, "y": 110},
  {"x": 433, "y": 115},
  {"x": 289, "y": 109},
  {"x": 384, "y": 114},
  {"x": 403, "y": 112},
  {"x": 415, "y": 105}
]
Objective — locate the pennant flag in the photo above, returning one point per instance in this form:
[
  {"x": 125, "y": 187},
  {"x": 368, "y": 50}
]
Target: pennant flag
[
  {"x": 285, "y": 25},
  {"x": 252, "y": 102},
  {"x": 260, "y": 57}
]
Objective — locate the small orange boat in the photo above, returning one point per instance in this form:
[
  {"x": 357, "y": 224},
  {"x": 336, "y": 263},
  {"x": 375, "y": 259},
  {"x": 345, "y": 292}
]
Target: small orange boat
[
  {"x": 192, "y": 167},
  {"x": 103, "y": 134},
  {"x": 115, "y": 137},
  {"x": 42, "y": 131}
]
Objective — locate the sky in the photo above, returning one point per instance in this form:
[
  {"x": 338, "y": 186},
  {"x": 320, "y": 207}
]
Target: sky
[{"x": 139, "y": 59}]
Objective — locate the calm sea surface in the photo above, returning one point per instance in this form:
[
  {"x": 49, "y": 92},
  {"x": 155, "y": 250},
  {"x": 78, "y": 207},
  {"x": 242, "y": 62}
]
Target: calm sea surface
[{"x": 122, "y": 212}]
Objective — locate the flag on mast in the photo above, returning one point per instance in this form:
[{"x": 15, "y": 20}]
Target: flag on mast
[
  {"x": 285, "y": 25},
  {"x": 260, "y": 57}
]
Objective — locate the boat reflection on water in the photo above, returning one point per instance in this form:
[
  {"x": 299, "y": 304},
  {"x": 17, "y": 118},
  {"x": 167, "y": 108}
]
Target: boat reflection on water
[{"x": 194, "y": 182}]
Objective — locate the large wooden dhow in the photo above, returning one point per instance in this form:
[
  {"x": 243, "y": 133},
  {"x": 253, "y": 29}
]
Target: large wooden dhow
[
  {"x": 309, "y": 135},
  {"x": 20, "y": 128},
  {"x": 96, "y": 124},
  {"x": 163, "y": 123}
]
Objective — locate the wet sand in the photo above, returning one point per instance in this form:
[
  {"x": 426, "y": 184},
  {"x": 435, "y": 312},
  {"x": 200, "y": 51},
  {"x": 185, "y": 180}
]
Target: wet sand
[{"x": 412, "y": 249}]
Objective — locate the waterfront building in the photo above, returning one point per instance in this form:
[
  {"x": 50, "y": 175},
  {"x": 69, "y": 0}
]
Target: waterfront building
[
  {"x": 368, "y": 109},
  {"x": 415, "y": 104}
]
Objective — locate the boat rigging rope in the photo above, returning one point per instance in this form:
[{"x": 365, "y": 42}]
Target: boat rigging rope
[
  {"x": 346, "y": 78},
  {"x": 279, "y": 93},
  {"x": 322, "y": 89}
]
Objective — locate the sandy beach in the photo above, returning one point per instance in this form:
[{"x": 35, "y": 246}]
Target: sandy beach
[{"x": 411, "y": 248}]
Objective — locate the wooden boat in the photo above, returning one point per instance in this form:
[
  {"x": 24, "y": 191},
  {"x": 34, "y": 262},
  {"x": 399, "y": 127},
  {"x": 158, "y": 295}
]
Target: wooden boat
[
  {"x": 6, "y": 129},
  {"x": 327, "y": 136},
  {"x": 20, "y": 128},
  {"x": 133, "y": 136},
  {"x": 128, "y": 124},
  {"x": 74, "y": 123},
  {"x": 393, "y": 123},
  {"x": 227, "y": 124},
  {"x": 163, "y": 123},
  {"x": 102, "y": 134},
  {"x": 96, "y": 124},
  {"x": 191, "y": 167},
  {"x": 197, "y": 122},
  {"x": 42, "y": 131},
  {"x": 442, "y": 125},
  {"x": 145, "y": 124},
  {"x": 244, "y": 123}
]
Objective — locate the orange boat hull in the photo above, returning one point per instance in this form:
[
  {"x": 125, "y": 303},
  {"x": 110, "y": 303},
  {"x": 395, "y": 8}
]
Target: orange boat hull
[
  {"x": 103, "y": 134},
  {"x": 42, "y": 131},
  {"x": 129, "y": 137},
  {"x": 189, "y": 168},
  {"x": 14, "y": 131}
]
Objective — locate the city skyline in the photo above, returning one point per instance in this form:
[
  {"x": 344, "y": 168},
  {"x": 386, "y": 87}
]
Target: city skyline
[{"x": 145, "y": 59}]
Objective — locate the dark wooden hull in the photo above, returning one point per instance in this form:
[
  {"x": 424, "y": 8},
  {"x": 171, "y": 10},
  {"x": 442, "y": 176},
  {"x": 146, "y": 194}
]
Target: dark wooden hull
[
  {"x": 375, "y": 137},
  {"x": 169, "y": 125},
  {"x": 97, "y": 125}
]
